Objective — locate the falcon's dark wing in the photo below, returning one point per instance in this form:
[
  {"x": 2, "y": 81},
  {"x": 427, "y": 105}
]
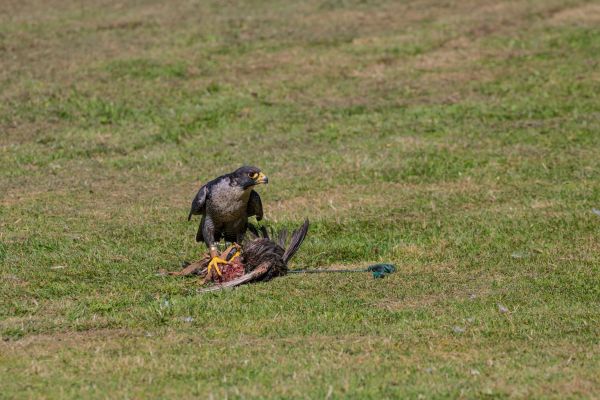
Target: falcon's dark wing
[
  {"x": 255, "y": 206},
  {"x": 198, "y": 202}
]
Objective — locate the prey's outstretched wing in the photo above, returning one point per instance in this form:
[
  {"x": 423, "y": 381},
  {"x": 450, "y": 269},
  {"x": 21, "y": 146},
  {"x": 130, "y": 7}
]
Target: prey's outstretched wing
[
  {"x": 296, "y": 240},
  {"x": 255, "y": 206},
  {"x": 198, "y": 203}
]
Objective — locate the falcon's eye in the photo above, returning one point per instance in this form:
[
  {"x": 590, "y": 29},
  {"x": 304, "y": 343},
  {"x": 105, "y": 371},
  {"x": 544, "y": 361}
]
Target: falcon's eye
[{"x": 253, "y": 175}]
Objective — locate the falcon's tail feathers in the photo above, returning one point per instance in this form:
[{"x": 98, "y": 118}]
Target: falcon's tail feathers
[
  {"x": 297, "y": 239},
  {"x": 252, "y": 230},
  {"x": 264, "y": 232},
  {"x": 257, "y": 232}
]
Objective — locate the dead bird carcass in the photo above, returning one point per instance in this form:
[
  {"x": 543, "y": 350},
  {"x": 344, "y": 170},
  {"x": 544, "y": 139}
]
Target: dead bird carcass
[{"x": 261, "y": 257}]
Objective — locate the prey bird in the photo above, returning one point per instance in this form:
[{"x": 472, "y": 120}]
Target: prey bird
[{"x": 225, "y": 204}]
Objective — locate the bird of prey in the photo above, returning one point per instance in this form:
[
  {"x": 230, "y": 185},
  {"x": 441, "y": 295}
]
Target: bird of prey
[{"x": 225, "y": 204}]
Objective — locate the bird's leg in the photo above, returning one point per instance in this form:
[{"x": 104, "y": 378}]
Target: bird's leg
[{"x": 215, "y": 260}]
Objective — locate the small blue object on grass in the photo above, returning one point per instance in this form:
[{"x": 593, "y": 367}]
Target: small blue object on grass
[{"x": 381, "y": 270}]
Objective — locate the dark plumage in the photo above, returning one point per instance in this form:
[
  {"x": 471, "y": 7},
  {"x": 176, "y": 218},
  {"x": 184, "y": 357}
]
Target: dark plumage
[
  {"x": 226, "y": 203},
  {"x": 262, "y": 258},
  {"x": 272, "y": 250}
]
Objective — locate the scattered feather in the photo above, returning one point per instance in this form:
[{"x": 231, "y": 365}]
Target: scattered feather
[
  {"x": 519, "y": 254},
  {"x": 458, "y": 330},
  {"x": 329, "y": 392}
]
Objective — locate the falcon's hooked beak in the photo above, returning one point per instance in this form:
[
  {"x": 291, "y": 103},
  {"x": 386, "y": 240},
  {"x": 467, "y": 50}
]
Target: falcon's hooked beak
[{"x": 261, "y": 178}]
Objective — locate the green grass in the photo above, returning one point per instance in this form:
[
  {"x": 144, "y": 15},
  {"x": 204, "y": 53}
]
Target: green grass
[{"x": 459, "y": 140}]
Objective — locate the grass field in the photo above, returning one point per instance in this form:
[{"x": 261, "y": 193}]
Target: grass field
[{"x": 459, "y": 140}]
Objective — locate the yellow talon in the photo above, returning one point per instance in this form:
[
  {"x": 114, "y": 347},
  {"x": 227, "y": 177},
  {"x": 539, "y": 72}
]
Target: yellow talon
[{"x": 214, "y": 264}]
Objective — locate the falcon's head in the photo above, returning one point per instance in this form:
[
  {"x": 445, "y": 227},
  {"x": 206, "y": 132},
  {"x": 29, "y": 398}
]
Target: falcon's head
[{"x": 248, "y": 177}]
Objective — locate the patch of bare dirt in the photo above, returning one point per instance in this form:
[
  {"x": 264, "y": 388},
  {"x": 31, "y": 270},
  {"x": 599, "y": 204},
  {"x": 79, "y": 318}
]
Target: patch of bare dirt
[
  {"x": 455, "y": 52},
  {"x": 587, "y": 14}
]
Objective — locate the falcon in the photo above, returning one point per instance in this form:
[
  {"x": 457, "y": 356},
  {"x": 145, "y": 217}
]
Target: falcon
[{"x": 225, "y": 204}]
